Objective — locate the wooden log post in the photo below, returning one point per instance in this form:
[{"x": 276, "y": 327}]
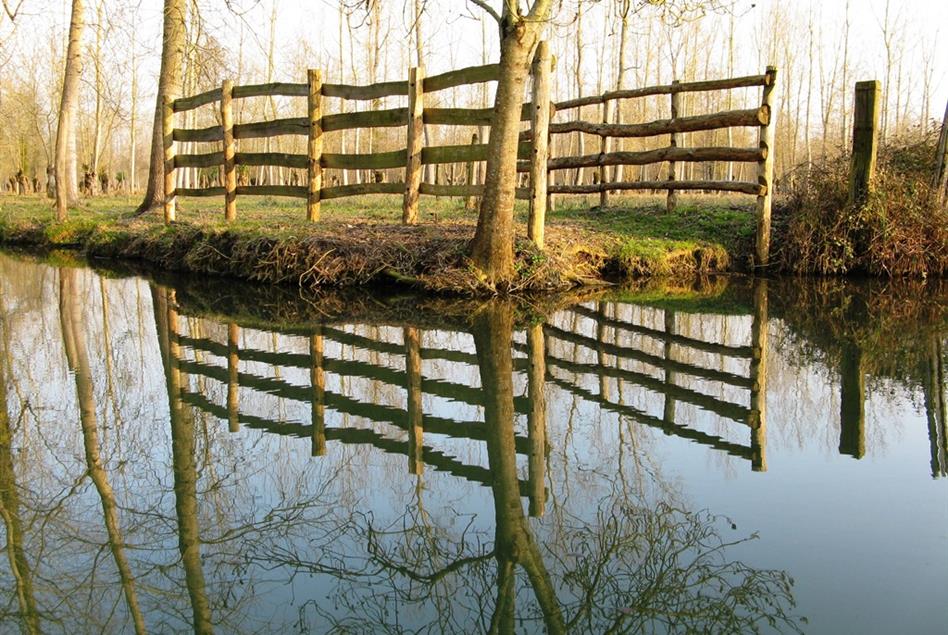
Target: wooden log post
[
  {"x": 315, "y": 147},
  {"x": 765, "y": 169},
  {"x": 605, "y": 147},
  {"x": 758, "y": 376},
  {"x": 167, "y": 122},
  {"x": 668, "y": 408},
  {"x": 414, "y": 407},
  {"x": 233, "y": 378},
  {"x": 540, "y": 126},
  {"x": 866, "y": 106},
  {"x": 416, "y": 109},
  {"x": 317, "y": 380},
  {"x": 940, "y": 181},
  {"x": 536, "y": 418},
  {"x": 671, "y": 204},
  {"x": 471, "y": 203},
  {"x": 230, "y": 151}
]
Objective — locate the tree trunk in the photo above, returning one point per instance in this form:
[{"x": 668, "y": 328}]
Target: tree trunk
[
  {"x": 492, "y": 248},
  {"x": 67, "y": 191},
  {"x": 169, "y": 83}
]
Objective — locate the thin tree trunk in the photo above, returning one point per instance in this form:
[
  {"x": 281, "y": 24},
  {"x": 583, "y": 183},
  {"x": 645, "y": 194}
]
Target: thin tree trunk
[{"x": 67, "y": 191}]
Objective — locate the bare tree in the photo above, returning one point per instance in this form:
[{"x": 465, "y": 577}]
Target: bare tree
[{"x": 66, "y": 187}]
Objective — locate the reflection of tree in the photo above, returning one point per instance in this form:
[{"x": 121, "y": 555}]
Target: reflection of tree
[{"x": 78, "y": 360}]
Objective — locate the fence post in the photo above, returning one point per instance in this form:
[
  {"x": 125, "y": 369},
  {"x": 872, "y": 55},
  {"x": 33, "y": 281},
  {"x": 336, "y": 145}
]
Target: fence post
[
  {"x": 605, "y": 146},
  {"x": 940, "y": 182},
  {"x": 540, "y": 125},
  {"x": 230, "y": 150},
  {"x": 765, "y": 170},
  {"x": 758, "y": 377},
  {"x": 315, "y": 150},
  {"x": 416, "y": 110},
  {"x": 471, "y": 203},
  {"x": 536, "y": 418},
  {"x": 317, "y": 381},
  {"x": 865, "y": 140},
  {"x": 414, "y": 406},
  {"x": 167, "y": 123},
  {"x": 672, "y": 203}
]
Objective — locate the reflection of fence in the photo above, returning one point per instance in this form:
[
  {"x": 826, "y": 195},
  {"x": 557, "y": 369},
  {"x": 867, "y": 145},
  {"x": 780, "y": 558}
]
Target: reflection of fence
[
  {"x": 539, "y": 362},
  {"x": 316, "y": 124}
]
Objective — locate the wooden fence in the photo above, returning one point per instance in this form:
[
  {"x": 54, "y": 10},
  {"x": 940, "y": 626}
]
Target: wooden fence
[{"x": 533, "y": 153}]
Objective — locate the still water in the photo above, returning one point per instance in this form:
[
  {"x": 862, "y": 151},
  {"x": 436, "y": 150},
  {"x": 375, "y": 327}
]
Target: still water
[{"x": 727, "y": 457}]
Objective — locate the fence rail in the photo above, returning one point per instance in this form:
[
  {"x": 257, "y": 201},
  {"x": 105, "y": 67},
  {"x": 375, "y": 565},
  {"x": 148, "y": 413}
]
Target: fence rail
[{"x": 534, "y": 152}]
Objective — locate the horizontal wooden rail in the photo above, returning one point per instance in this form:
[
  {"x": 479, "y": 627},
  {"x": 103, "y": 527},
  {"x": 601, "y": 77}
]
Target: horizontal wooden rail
[
  {"x": 462, "y": 76},
  {"x": 740, "y": 155},
  {"x": 209, "y": 134},
  {"x": 199, "y": 192},
  {"x": 374, "y": 161},
  {"x": 389, "y": 118},
  {"x": 196, "y": 101},
  {"x": 753, "y": 117},
  {"x": 433, "y": 189},
  {"x": 711, "y": 186},
  {"x": 667, "y": 89},
  {"x": 742, "y": 352},
  {"x": 260, "y": 129},
  {"x": 278, "y": 159},
  {"x": 272, "y": 190},
  {"x": 466, "y": 152},
  {"x": 199, "y": 160},
  {"x": 358, "y": 189},
  {"x": 274, "y": 89},
  {"x": 467, "y": 116},
  {"x": 370, "y": 91}
]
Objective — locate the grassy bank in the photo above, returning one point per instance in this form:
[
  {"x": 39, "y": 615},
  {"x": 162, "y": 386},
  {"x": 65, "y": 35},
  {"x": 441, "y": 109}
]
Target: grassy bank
[{"x": 360, "y": 241}]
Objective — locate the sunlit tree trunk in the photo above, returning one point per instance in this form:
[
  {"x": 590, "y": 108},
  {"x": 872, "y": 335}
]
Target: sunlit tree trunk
[{"x": 67, "y": 190}]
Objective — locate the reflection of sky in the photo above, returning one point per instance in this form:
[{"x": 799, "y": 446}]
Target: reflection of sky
[{"x": 866, "y": 541}]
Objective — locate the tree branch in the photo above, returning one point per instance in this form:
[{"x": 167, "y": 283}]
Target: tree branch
[{"x": 483, "y": 5}]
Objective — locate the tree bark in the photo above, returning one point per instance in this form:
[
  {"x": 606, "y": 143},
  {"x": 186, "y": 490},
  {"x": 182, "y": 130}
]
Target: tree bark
[
  {"x": 169, "y": 83},
  {"x": 67, "y": 191},
  {"x": 492, "y": 248}
]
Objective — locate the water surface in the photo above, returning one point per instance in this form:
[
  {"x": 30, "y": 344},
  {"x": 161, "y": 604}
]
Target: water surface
[{"x": 724, "y": 457}]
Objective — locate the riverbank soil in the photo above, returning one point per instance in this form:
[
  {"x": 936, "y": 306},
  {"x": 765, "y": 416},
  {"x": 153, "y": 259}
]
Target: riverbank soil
[{"x": 359, "y": 241}]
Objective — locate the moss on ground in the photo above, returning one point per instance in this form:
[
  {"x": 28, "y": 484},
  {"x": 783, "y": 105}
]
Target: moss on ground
[{"x": 361, "y": 240}]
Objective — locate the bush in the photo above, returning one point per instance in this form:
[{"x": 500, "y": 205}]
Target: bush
[{"x": 901, "y": 230}]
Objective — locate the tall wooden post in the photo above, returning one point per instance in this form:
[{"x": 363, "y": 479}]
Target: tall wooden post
[
  {"x": 668, "y": 408},
  {"x": 536, "y": 418},
  {"x": 470, "y": 204},
  {"x": 671, "y": 204},
  {"x": 605, "y": 146},
  {"x": 866, "y": 104},
  {"x": 415, "y": 412},
  {"x": 940, "y": 182},
  {"x": 233, "y": 378},
  {"x": 315, "y": 150},
  {"x": 167, "y": 121},
  {"x": 317, "y": 380},
  {"x": 230, "y": 151},
  {"x": 416, "y": 126},
  {"x": 758, "y": 377},
  {"x": 540, "y": 125},
  {"x": 765, "y": 170}
]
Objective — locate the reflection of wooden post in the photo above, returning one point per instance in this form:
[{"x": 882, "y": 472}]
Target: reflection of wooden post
[
  {"x": 672, "y": 202},
  {"x": 230, "y": 151},
  {"x": 536, "y": 418},
  {"x": 758, "y": 377},
  {"x": 317, "y": 380},
  {"x": 415, "y": 413},
  {"x": 315, "y": 145},
  {"x": 668, "y": 412},
  {"x": 471, "y": 203},
  {"x": 540, "y": 126},
  {"x": 934, "y": 388},
  {"x": 600, "y": 353},
  {"x": 233, "y": 378},
  {"x": 416, "y": 126},
  {"x": 852, "y": 415}
]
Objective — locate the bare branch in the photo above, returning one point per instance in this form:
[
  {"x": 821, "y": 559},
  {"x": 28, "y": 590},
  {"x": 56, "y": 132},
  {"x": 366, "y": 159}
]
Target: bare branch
[{"x": 486, "y": 7}]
